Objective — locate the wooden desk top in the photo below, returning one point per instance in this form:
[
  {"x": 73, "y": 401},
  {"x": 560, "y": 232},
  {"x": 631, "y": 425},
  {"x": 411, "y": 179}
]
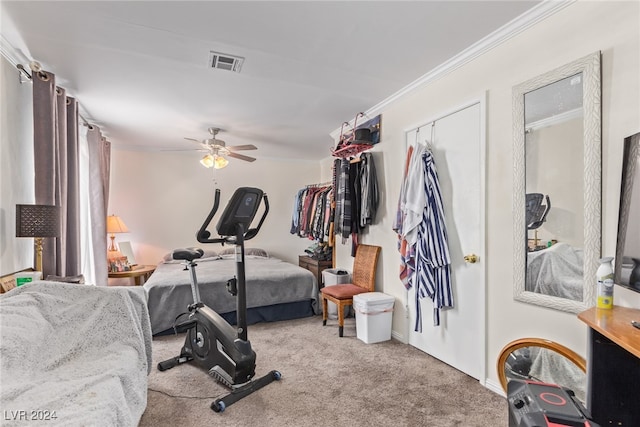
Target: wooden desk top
[{"x": 615, "y": 324}]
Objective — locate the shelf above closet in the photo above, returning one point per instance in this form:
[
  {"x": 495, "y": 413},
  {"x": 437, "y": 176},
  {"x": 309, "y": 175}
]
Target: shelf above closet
[
  {"x": 360, "y": 138},
  {"x": 351, "y": 150}
]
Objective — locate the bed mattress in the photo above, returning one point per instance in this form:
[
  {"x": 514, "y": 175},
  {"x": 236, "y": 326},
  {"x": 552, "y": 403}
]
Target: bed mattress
[{"x": 272, "y": 285}]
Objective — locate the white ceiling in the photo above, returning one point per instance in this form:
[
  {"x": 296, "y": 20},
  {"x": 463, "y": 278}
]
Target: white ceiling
[{"x": 139, "y": 68}]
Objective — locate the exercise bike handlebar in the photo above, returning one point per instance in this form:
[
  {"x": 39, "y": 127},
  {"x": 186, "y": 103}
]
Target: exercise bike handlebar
[
  {"x": 252, "y": 232},
  {"x": 204, "y": 235}
]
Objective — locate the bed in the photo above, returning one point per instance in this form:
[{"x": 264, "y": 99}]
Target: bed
[
  {"x": 74, "y": 355},
  {"x": 556, "y": 271},
  {"x": 276, "y": 290}
]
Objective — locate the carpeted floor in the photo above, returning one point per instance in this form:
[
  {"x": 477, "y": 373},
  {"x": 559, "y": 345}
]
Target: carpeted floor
[{"x": 326, "y": 381}]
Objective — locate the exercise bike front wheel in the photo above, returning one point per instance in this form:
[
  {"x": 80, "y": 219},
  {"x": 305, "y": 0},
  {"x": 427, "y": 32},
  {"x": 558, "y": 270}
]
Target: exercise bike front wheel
[{"x": 218, "y": 406}]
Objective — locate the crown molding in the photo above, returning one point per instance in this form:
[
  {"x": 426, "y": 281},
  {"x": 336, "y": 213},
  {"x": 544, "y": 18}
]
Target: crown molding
[
  {"x": 13, "y": 55},
  {"x": 553, "y": 120},
  {"x": 528, "y": 19}
]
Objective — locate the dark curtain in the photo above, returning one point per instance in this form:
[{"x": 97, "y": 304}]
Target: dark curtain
[{"x": 56, "y": 153}]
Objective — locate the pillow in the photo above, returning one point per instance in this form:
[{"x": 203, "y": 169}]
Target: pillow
[
  {"x": 257, "y": 252},
  {"x": 248, "y": 252}
]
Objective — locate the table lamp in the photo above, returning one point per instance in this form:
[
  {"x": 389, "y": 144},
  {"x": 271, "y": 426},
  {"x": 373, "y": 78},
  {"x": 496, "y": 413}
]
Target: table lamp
[
  {"x": 115, "y": 225},
  {"x": 38, "y": 221}
]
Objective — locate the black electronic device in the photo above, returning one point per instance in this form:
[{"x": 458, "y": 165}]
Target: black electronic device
[
  {"x": 536, "y": 404},
  {"x": 240, "y": 210},
  {"x": 213, "y": 344},
  {"x": 536, "y": 210}
]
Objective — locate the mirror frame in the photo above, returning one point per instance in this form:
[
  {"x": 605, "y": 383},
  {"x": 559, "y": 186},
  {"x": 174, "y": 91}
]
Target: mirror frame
[
  {"x": 589, "y": 66},
  {"x": 535, "y": 342}
]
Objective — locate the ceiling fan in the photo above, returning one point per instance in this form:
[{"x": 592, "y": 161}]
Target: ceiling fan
[{"x": 217, "y": 150}]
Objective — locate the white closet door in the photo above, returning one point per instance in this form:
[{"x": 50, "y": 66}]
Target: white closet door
[{"x": 458, "y": 149}]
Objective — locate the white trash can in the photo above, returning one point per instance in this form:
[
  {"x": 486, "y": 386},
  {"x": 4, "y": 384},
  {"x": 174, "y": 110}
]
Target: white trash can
[
  {"x": 374, "y": 315},
  {"x": 335, "y": 276}
]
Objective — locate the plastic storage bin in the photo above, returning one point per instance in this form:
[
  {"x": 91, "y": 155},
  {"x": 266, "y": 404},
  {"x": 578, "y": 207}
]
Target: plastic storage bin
[
  {"x": 27, "y": 276},
  {"x": 374, "y": 314},
  {"x": 330, "y": 277}
]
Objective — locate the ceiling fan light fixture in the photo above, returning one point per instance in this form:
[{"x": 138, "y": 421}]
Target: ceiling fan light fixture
[
  {"x": 214, "y": 161},
  {"x": 207, "y": 161},
  {"x": 220, "y": 162}
]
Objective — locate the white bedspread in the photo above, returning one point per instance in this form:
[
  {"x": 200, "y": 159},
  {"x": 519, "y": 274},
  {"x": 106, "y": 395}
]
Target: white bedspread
[
  {"x": 78, "y": 353},
  {"x": 551, "y": 367},
  {"x": 556, "y": 271}
]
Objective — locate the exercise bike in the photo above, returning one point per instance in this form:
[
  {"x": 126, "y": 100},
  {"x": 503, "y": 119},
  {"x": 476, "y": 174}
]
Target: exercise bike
[{"x": 212, "y": 343}]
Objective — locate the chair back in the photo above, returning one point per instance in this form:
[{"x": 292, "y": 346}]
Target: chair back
[{"x": 364, "y": 267}]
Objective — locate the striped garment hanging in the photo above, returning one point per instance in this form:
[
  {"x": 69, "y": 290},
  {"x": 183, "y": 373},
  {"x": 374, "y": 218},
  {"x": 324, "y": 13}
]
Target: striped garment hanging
[{"x": 433, "y": 262}]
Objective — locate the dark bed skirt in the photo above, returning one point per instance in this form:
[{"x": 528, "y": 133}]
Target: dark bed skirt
[{"x": 269, "y": 313}]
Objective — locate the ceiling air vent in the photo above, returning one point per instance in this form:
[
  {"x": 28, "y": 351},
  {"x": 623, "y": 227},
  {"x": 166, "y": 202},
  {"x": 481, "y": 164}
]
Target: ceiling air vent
[{"x": 223, "y": 61}]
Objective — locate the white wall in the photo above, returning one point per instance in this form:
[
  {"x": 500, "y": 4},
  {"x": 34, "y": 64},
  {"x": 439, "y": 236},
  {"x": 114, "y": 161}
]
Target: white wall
[
  {"x": 576, "y": 31},
  {"x": 17, "y": 170},
  {"x": 164, "y": 198}
]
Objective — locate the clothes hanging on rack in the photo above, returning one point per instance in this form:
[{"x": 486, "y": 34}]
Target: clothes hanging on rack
[
  {"x": 311, "y": 216},
  {"x": 357, "y": 197},
  {"x": 422, "y": 237},
  {"x": 369, "y": 190}
]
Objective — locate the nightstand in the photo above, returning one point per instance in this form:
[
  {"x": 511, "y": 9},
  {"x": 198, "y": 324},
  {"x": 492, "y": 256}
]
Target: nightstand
[
  {"x": 315, "y": 266},
  {"x": 140, "y": 273}
]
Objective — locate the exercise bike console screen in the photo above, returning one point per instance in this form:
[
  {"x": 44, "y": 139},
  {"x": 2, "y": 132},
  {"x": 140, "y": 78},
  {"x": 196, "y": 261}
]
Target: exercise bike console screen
[{"x": 241, "y": 209}]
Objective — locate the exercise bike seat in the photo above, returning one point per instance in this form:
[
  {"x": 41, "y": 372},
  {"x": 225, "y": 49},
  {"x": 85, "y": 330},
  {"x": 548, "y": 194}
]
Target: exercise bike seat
[{"x": 188, "y": 254}]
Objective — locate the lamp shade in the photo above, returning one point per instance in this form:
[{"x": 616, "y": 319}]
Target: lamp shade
[
  {"x": 37, "y": 221},
  {"x": 116, "y": 225}
]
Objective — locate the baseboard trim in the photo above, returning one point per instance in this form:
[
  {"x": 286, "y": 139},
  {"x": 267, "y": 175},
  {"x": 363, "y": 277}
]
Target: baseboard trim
[
  {"x": 398, "y": 336},
  {"x": 495, "y": 387}
]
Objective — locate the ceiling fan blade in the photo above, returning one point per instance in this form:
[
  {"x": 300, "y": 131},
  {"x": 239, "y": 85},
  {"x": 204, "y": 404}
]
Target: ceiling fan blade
[
  {"x": 193, "y": 139},
  {"x": 242, "y": 147},
  {"x": 241, "y": 157},
  {"x": 185, "y": 150}
]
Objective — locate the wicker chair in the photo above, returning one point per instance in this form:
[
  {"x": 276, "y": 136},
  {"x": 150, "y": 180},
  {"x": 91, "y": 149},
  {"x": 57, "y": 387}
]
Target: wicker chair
[{"x": 363, "y": 280}]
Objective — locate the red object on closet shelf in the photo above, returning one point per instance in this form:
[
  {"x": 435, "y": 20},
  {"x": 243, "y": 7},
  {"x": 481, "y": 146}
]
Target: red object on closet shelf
[{"x": 350, "y": 150}]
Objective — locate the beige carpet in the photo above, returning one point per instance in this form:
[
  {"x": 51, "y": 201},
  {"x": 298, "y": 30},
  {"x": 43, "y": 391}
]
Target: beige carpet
[{"x": 326, "y": 381}]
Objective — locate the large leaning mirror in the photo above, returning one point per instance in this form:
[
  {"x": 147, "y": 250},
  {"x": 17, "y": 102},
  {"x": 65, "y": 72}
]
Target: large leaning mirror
[
  {"x": 541, "y": 360},
  {"x": 557, "y": 164}
]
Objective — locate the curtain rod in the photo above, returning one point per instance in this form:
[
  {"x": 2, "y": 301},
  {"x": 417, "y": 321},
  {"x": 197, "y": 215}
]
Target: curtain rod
[{"x": 35, "y": 67}]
